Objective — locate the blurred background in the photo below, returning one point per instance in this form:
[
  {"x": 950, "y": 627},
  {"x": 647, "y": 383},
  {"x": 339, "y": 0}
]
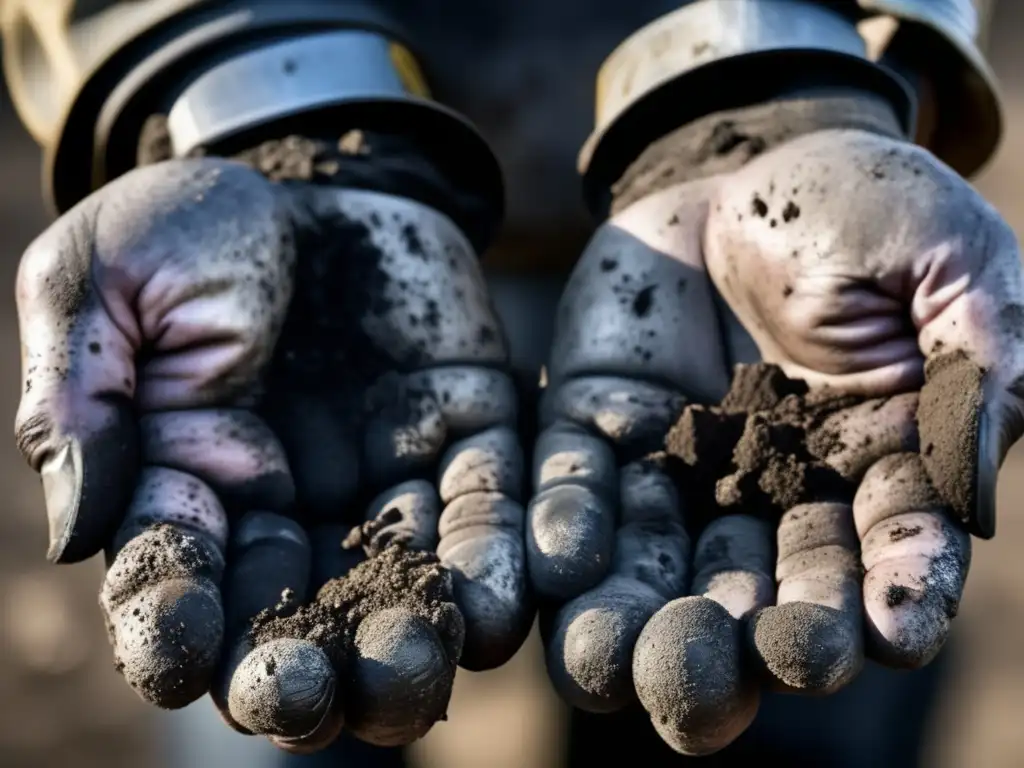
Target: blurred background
[{"x": 67, "y": 707}]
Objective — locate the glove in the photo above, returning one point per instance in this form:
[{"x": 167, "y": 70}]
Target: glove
[
  {"x": 221, "y": 376},
  {"x": 856, "y": 262}
]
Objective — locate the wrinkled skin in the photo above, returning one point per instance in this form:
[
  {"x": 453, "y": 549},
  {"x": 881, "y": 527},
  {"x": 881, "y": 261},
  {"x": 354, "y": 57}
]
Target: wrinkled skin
[
  {"x": 848, "y": 258},
  {"x": 260, "y": 367}
]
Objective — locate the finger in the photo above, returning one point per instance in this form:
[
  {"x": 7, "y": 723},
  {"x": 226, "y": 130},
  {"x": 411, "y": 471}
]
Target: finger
[
  {"x": 811, "y": 640},
  {"x": 481, "y": 483},
  {"x": 401, "y": 680},
  {"x": 407, "y": 514},
  {"x": 296, "y": 689},
  {"x": 232, "y": 451},
  {"x": 272, "y": 689},
  {"x": 75, "y": 424},
  {"x": 161, "y": 596},
  {"x": 189, "y": 261},
  {"x": 571, "y": 531},
  {"x": 632, "y": 416},
  {"x": 687, "y": 665},
  {"x": 915, "y": 560},
  {"x": 402, "y": 665},
  {"x": 589, "y": 641}
]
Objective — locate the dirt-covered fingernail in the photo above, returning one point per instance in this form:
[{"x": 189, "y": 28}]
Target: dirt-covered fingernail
[
  {"x": 688, "y": 675},
  {"x": 87, "y": 486},
  {"x": 287, "y": 688}
]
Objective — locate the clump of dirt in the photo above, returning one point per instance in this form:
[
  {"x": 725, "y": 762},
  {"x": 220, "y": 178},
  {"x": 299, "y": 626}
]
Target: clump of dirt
[
  {"x": 948, "y": 417},
  {"x": 761, "y": 450},
  {"x": 395, "y": 577},
  {"x": 391, "y": 633}
]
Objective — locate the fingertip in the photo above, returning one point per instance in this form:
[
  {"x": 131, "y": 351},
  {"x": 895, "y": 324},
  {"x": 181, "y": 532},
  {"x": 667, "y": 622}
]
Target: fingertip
[
  {"x": 569, "y": 541},
  {"x": 496, "y": 628},
  {"x": 488, "y": 566},
  {"x": 164, "y": 613},
  {"x": 806, "y": 647},
  {"x": 286, "y": 688},
  {"x": 908, "y": 618},
  {"x": 167, "y": 640},
  {"x": 688, "y": 675},
  {"x": 401, "y": 679},
  {"x": 589, "y": 644}
]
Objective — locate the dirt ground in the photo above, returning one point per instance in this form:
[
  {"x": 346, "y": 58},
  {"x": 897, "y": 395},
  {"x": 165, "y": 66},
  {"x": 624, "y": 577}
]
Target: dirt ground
[{"x": 65, "y": 706}]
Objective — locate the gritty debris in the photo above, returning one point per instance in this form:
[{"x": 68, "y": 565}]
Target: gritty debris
[{"x": 760, "y": 450}]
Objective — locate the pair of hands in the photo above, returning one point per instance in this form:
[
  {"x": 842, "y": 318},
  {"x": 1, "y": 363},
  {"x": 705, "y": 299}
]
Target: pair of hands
[{"x": 259, "y": 366}]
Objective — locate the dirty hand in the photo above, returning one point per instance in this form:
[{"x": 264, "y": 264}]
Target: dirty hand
[
  {"x": 221, "y": 376},
  {"x": 851, "y": 260}
]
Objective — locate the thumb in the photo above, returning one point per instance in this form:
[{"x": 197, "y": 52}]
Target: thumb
[
  {"x": 74, "y": 424},
  {"x": 969, "y": 307}
]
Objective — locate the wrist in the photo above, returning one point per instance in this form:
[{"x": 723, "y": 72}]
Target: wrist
[
  {"x": 725, "y": 141},
  {"x": 718, "y": 57},
  {"x": 374, "y": 161},
  {"x": 347, "y": 108}
]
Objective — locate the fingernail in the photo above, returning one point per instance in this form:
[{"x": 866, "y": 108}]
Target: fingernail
[
  {"x": 983, "y": 525},
  {"x": 284, "y": 687},
  {"x": 88, "y": 484},
  {"x": 62, "y": 488}
]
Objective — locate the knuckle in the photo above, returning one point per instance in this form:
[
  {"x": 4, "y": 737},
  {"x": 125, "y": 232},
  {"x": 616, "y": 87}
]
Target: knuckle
[
  {"x": 633, "y": 415},
  {"x": 479, "y": 511},
  {"x": 470, "y": 398},
  {"x": 490, "y": 461},
  {"x": 565, "y": 454},
  {"x": 32, "y": 434}
]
